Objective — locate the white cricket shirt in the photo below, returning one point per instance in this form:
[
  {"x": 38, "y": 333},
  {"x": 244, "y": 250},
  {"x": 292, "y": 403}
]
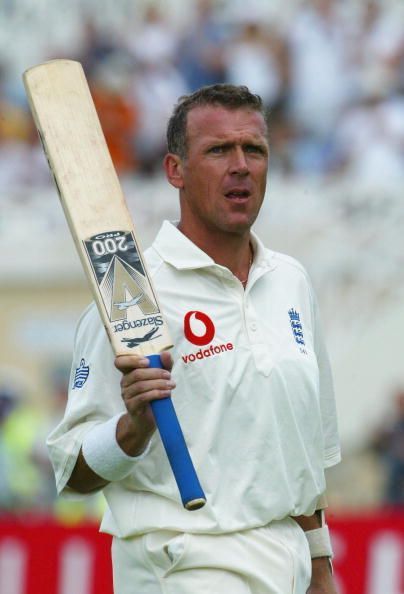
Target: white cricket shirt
[{"x": 254, "y": 395}]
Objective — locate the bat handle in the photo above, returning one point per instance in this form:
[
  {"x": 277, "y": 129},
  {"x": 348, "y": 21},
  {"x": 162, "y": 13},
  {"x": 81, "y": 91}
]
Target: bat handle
[{"x": 178, "y": 455}]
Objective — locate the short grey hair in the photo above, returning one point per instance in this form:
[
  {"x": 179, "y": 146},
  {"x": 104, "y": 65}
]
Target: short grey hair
[{"x": 223, "y": 95}]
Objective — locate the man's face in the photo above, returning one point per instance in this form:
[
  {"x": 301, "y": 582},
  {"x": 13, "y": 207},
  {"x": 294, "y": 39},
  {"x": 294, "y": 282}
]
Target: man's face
[{"x": 223, "y": 178}]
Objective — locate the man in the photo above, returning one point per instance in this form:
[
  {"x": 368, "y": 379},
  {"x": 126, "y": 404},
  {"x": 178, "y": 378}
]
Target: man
[{"x": 253, "y": 387}]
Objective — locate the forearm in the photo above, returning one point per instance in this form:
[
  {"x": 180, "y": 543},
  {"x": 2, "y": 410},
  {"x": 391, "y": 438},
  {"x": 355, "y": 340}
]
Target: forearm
[
  {"x": 130, "y": 438},
  {"x": 309, "y": 522},
  {"x": 319, "y": 564},
  {"x": 321, "y": 580},
  {"x": 83, "y": 479}
]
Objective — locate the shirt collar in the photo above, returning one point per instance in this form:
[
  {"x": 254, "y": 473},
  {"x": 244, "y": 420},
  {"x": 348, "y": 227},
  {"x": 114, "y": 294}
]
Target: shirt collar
[{"x": 179, "y": 251}]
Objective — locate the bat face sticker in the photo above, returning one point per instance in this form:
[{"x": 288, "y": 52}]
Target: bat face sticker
[
  {"x": 133, "y": 342},
  {"x": 126, "y": 304},
  {"x": 120, "y": 275}
]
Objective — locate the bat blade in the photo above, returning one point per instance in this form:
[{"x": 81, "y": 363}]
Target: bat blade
[
  {"x": 95, "y": 208},
  {"x": 104, "y": 235}
]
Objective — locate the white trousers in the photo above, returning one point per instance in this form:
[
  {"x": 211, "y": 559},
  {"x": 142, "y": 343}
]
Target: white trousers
[{"x": 274, "y": 559}]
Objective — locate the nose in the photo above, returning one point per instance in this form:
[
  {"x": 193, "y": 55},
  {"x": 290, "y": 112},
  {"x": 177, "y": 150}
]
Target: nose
[{"x": 238, "y": 162}]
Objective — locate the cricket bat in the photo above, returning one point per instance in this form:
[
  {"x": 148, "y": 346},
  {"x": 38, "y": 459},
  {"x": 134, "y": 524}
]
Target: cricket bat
[{"x": 105, "y": 238}]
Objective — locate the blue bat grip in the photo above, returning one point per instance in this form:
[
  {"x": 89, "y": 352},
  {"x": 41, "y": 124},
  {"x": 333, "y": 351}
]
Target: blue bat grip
[{"x": 173, "y": 440}]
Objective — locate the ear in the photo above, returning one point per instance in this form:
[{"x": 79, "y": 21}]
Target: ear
[{"x": 174, "y": 170}]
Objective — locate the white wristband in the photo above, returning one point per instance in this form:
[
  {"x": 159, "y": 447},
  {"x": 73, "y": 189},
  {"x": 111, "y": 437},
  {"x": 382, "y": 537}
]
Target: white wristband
[
  {"x": 103, "y": 453},
  {"x": 319, "y": 542}
]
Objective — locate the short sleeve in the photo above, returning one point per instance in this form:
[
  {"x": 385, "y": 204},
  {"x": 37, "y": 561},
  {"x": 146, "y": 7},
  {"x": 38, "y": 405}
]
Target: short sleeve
[
  {"x": 93, "y": 398},
  {"x": 332, "y": 453}
]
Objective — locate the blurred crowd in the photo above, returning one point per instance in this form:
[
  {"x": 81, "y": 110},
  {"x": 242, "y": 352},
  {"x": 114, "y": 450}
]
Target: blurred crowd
[
  {"x": 331, "y": 75},
  {"x": 26, "y": 477},
  {"x": 388, "y": 444}
]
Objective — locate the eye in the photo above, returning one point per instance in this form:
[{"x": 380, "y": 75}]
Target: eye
[
  {"x": 253, "y": 148},
  {"x": 216, "y": 150}
]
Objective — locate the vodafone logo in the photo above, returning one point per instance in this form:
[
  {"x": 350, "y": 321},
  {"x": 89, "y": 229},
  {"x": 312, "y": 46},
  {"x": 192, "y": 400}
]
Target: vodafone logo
[{"x": 198, "y": 328}]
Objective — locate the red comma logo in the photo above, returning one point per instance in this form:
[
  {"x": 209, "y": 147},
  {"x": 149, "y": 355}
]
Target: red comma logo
[{"x": 199, "y": 339}]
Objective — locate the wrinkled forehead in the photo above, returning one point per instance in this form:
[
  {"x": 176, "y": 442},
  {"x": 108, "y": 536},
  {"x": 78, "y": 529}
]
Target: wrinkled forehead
[{"x": 217, "y": 121}]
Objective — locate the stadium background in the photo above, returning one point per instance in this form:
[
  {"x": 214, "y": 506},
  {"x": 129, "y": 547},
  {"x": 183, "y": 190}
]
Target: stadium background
[{"x": 332, "y": 74}]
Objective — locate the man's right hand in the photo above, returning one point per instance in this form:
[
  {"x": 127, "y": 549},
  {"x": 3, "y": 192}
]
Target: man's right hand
[{"x": 140, "y": 384}]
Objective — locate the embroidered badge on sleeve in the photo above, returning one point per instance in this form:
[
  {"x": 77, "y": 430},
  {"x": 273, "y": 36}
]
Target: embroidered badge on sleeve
[{"x": 81, "y": 375}]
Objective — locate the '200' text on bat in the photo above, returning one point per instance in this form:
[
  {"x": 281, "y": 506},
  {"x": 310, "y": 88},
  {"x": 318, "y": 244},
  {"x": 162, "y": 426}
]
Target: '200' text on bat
[{"x": 103, "y": 232}]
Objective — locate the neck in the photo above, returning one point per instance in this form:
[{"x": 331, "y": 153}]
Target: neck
[{"x": 230, "y": 250}]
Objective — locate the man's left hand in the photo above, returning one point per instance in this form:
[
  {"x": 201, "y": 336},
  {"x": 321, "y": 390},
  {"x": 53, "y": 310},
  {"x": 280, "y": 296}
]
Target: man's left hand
[{"x": 322, "y": 581}]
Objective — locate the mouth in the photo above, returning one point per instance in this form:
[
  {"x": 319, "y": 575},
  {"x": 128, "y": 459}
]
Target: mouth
[{"x": 238, "y": 195}]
